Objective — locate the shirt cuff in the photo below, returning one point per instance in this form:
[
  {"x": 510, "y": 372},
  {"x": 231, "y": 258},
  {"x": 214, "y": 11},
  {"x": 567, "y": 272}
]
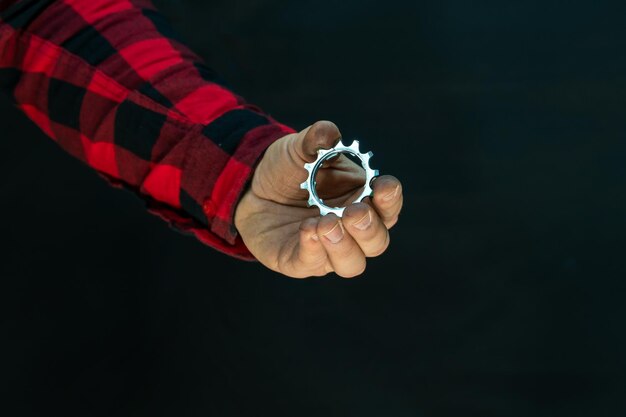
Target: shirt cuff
[{"x": 237, "y": 173}]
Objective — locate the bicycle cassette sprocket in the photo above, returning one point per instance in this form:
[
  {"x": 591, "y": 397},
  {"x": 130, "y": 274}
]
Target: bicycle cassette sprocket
[{"x": 322, "y": 156}]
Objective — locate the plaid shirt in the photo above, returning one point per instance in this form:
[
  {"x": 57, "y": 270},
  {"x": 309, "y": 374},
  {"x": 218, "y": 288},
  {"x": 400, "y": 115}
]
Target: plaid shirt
[{"x": 112, "y": 85}]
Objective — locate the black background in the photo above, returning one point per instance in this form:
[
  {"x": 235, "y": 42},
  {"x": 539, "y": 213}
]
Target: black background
[{"x": 502, "y": 293}]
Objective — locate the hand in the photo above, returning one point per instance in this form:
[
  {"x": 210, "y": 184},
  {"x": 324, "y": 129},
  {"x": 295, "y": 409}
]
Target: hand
[{"x": 288, "y": 237}]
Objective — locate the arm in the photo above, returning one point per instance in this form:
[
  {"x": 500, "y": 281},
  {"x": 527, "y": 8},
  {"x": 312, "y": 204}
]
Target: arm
[{"x": 108, "y": 82}]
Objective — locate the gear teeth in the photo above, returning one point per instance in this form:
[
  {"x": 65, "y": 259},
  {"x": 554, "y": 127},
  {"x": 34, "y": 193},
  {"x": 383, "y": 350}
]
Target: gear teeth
[{"x": 323, "y": 154}]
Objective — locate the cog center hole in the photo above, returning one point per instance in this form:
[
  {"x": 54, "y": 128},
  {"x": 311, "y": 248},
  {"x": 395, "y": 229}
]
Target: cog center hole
[{"x": 340, "y": 180}]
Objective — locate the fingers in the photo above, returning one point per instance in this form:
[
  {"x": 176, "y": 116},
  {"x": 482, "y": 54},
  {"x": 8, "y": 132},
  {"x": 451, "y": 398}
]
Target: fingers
[
  {"x": 345, "y": 255},
  {"x": 345, "y": 243},
  {"x": 387, "y": 199},
  {"x": 366, "y": 228},
  {"x": 320, "y": 135}
]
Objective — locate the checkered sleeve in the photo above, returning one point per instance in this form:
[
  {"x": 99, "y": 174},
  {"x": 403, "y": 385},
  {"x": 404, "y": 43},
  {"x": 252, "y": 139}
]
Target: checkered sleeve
[{"x": 110, "y": 82}]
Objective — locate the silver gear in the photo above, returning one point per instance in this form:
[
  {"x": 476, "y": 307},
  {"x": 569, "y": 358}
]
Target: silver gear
[{"x": 325, "y": 154}]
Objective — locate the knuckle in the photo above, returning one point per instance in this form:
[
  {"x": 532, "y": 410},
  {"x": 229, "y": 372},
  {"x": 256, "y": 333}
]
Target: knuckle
[
  {"x": 353, "y": 272},
  {"x": 381, "y": 248},
  {"x": 391, "y": 222},
  {"x": 347, "y": 259},
  {"x": 343, "y": 251}
]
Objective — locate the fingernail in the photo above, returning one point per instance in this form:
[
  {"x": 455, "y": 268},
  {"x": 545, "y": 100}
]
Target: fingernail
[
  {"x": 335, "y": 234},
  {"x": 365, "y": 221},
  {"x": 315, "y": 237},
  {"x": 392, "y": 194}
]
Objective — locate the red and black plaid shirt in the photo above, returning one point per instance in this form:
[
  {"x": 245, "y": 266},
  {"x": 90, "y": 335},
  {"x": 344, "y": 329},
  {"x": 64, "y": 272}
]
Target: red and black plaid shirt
[{"x": 110, "y": 83}]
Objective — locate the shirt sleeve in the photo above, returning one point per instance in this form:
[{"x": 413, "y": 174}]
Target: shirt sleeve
[{"x": 110, "y": 82}]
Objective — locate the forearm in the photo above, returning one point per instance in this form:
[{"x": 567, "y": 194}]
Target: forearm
[{"x": 102, "y": 80}]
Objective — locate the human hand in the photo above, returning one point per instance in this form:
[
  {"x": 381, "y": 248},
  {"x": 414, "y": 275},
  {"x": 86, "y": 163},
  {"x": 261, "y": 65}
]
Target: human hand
[{"x": 288, "y": 237}]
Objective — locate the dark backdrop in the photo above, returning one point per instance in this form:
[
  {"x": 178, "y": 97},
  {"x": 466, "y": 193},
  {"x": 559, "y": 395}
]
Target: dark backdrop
[{"x": 502, "y": 293}]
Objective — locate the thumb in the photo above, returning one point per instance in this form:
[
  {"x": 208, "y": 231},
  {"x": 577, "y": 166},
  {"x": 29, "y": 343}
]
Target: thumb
[{"x": 320, "y": 135}]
